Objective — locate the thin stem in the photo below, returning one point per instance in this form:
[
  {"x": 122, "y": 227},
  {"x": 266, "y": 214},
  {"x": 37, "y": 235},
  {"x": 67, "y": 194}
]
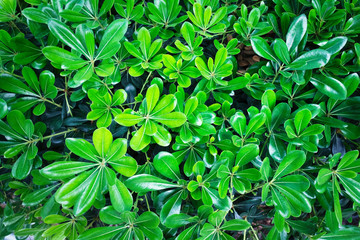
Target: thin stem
[
  {"x": 147, "y": 203},
  {"x": 60, "y": 133},
  {"x": 66, "y": 98},
  {"x": 60, "y": 89},
  {"x": 107, "y": 87},
  {"x": 262, "y": 149},
  {"x": 51, "y": 102},
  {"x": 51, "y": 136},
  {"x": 277, "y": 73},
  {"x": 255, "y": 234},
  {"x": 12, "y": 74},
  {"x": 125, "y": 104},
  {"x": 142, "y": 89},
  {"x": 14, "y": 25}
]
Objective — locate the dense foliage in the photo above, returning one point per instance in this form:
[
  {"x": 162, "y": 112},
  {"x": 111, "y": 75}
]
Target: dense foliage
[{"x": 168, "y": 119}]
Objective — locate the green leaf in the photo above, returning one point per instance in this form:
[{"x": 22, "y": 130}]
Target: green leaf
[
  {"x": 117, "y": 149},
  {"x": 3, "y": 108},
  {"x": 282, "y": 51},
  {"x": 87, "y": 198},
  {"x": 348, "y": 159},
  {"x": 152, "y": 97},
  {"x": 235, "y": 225},
  {"x": 125, "y": 165},
  {"x": 296, "y": 32},
  {"x": 140, "y": 140},
  {"x": 17, "y": 121},
  {"x": 102, "y": 139},
  {"x": 269, "y": 98},
  {"x": 177, "y": 220},
  {"x": 148, "y": 220},
  {"x": 172, "y": 120},
  {"x": 188, "y": 33},
  {"x": 128, "y": 120},
  {"x": 150, "y": 127},
  {"x": 280, "y": 113},
  {"x": 335, "y": 45},
  {"x": 313, "y": 130},
  {"x": 297, "y": 200},
  {"x": 68, "y": 192},
  {"x": 281, "y": 204},
  {"x": 100, "y": 233},
  {"x": 324, "y": 176},
  {"x": 37, "y": 196},
  {"x": 292, "y": 161},
  {"x": 35, "y": 14},
  {"x": 65, "y": 169},
  {"x": 246, "y": 154},
  {"x": 316, "y": 58},
  {"x": 162, "y": 136},
  {"x": 295, "y": 182},
  {"x": 109, "y": 215},
  {"x": 145, "y": 183},
  {"x": 74, "y": 16},
  {"x": 113, "y": 34},
  {"x": 145, "y": 41},
  {"x": 329, "y": 86},
  {"x": 343, "y": 233},
  {"x": 22, "y": 166},
  {"x": 352, "y": 186},
  {"x": 302, "y": 120},
  {"x": 165, "y": 105},
  {"x": 166, "y": 164},
  {"x": 54, "y": 218},
  {"x": 120, "y": 197},
  {"x": 262, "y": 48},
  {"x": 66, "y": 59},
  {"x": 63, "y": 33},
  {"x": 255, "y": 123},
  {"x": 302, "y": 226},
  {"x": 11, "y": 84},
  {"x": 172, "y": 206},
  {"x": 238, "y": 122},
  {"x": 82, "y": 148}
]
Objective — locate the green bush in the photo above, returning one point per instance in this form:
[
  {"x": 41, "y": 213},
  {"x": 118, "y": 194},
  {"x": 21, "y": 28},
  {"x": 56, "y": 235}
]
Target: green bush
[{"x": 171, "y": 119}]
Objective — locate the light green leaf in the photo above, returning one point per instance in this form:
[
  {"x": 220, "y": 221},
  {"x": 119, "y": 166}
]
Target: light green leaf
[
  {"x": 102, "y": 139},
  {"x": 292, "y": 161},
  {"x": 166, "y": 164},
  {"x": 144, "y": 183},
  {"x": 329, "y": 86}
]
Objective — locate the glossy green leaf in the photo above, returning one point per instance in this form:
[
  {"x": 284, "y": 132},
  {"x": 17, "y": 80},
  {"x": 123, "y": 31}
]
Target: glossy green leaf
[
  {"x": 262, "y": 48},
  {"x": 166, "y": 164},
  {"x": 296, "y": 32},
  {"x": 145, "y": 183},
  {"x": 316, "y": 58},
  {"x": 329, "y": 86},
  {"x": 82, "y": 148},
  {"x": 290, "y": 163}
]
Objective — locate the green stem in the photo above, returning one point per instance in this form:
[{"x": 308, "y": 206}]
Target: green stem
[
  {"x": 51, "y": 102},
  {"x": 60, "y": 133},
  {"x": 142, "y": 89},
  {"x": 277, "y": 73},
  {"x": 262, "y": 149},
  {"x": 12, "y": 74},
  {"x": 147, "y": 203},
  {"x": 107, "y": 87},
  {"x": 66, "y": 98},
  {"x": 50, "y": 136},
  {"x": 253, "y": 230}
]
